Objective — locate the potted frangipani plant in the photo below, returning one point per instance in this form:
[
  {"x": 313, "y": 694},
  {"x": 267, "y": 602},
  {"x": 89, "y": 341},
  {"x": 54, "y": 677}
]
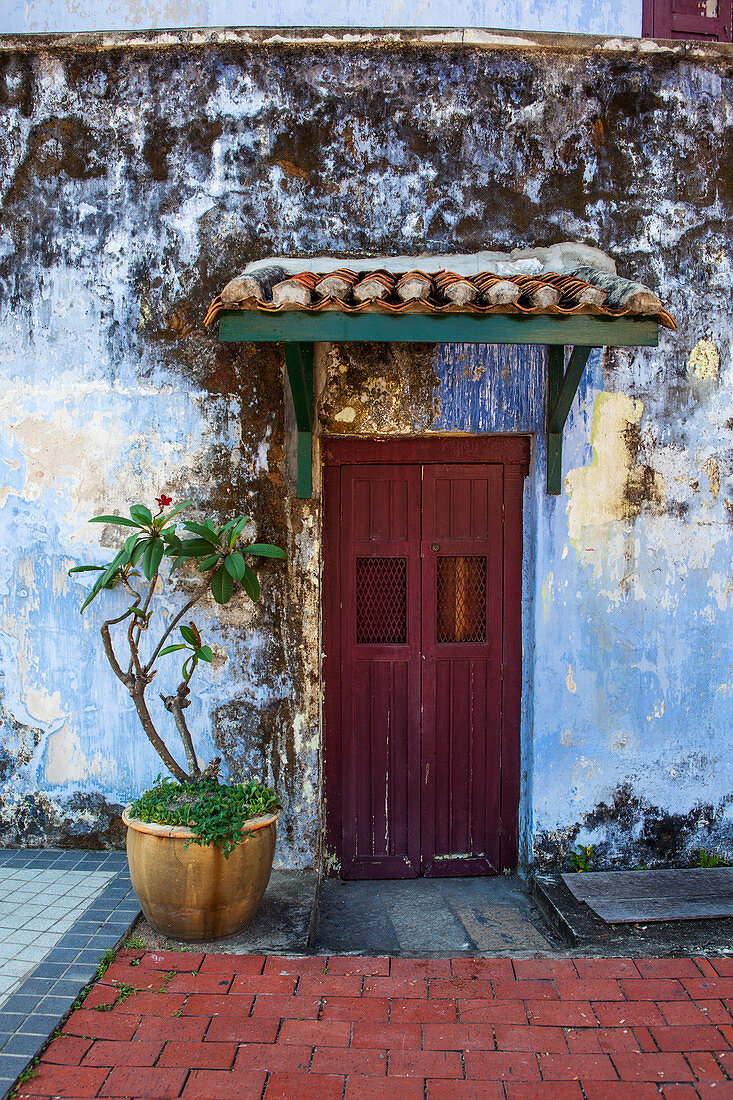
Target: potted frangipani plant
[{"x": 200, "y": 851}]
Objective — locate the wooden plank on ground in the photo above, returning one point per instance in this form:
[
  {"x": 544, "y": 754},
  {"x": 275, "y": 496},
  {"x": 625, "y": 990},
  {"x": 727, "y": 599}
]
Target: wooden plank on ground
[{"x": 625, "y": 897}]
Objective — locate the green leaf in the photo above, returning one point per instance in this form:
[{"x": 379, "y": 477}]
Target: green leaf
[
  {"x": 171, "y": 649},
  {"x": 222, "y": 585},
  {"x": 136, "y": 611},
  {"x": 122, "y": 521},
  {"x": 179, "y": 508},
  {"x": 152, "y": 557},
  {"x": 204, "y": 531},
  {"x": 87, "y": 569},
  {"x": 120, "y": 559},
  {"x": 179, "y": 561},
  {"x": 234, "y": 564},
  {"x": 189, "y": 635},
  {"x": 195, "y": 548},
  {"x": 138, "y": 550},
  {"x": 141, "y": 513},
  {"x": 204, "y": 653},
  {"x": 264, "y": 550},
  {"x": 250, "y": 584},
  {"x": 239, "y": 526},
  {"x": 208, "y": 563}
]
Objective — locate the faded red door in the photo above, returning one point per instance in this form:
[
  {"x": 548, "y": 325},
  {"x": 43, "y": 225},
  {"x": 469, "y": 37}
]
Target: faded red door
[{"x": 422, "y": 751}]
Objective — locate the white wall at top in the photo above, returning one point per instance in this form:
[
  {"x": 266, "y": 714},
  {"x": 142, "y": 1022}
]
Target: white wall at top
[{"x": 573, "y": 16}]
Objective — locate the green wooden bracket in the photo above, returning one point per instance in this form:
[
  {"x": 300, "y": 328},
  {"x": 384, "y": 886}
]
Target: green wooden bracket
[
  {"x": 299, "y": 361},
  {"x": 562, "y": 386}
]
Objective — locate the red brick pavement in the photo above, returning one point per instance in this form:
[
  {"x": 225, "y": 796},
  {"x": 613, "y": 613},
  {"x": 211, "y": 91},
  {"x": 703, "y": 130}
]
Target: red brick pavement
[{"x": 241, "y": 1027}]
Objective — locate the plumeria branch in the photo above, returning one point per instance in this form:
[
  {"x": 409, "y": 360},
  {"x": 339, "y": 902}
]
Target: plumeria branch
[{"x": 225, "y": 572}]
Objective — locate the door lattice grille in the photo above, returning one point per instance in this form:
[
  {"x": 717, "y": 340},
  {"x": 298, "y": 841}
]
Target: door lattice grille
[
  {"x": 461, "y": 599},
  {"x": 381, "y": 601}
]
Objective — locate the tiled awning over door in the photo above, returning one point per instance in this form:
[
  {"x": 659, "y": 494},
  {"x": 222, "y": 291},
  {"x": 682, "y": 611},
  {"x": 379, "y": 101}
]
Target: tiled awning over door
[{"x": 565, "y": 294}]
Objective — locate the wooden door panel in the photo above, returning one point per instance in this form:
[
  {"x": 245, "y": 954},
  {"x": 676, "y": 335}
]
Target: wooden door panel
[
  {"x": 462, "y": 536},
  {"x": 380, "y": 678}
]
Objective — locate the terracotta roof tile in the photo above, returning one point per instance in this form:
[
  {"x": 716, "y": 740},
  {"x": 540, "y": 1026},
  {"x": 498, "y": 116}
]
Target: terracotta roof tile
[{"x": 582, "y": 290}]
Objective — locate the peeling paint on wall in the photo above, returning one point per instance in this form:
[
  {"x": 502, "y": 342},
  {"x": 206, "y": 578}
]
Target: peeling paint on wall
[{"x": 615, "y": 486}]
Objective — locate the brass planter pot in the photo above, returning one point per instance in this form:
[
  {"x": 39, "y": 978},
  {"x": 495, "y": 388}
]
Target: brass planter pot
[{"x": 194, "y": 893}]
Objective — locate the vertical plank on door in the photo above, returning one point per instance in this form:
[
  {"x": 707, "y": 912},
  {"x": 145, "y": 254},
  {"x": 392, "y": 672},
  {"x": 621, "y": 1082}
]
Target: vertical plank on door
[
  {"x": 379, "y": 628},
  {"x": 512, "y": 680},
  {"x": 462, "y": 535}
]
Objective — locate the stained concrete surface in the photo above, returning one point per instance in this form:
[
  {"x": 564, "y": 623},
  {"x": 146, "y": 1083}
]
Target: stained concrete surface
[
  {"x": 428, "y": 917},
  {"x": 502, "y": 916},
  {"x": 419, "y": 917}
]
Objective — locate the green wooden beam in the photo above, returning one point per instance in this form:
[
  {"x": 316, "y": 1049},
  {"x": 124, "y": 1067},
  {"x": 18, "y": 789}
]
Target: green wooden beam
[
  {"x": 562, "y": 386},
  {"x": 297, "y": 326},
  {"x": 555, "y": 369},
  {"x": 568, "y": 388},
  {"x": 304, "y": 490},
  {"x": 299, "y": 362}
]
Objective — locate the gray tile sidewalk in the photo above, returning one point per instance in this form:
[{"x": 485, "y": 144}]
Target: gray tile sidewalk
[{"x": 59, "y": 912}]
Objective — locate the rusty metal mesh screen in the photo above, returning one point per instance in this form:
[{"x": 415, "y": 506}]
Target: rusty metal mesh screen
[
  {"x": 461, "y": 598},
  {"x": 381, "y": 601}
]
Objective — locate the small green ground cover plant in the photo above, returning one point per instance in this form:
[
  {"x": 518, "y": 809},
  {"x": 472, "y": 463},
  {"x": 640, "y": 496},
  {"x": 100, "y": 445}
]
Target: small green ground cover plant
[
  {"x": 582, "y": 858},
  {"x": 710, "y": 859},
  {"x": 160, "y": 544}
]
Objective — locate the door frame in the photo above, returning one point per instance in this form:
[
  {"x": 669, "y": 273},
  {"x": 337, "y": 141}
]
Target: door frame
[{"x": 511, "y": 451}]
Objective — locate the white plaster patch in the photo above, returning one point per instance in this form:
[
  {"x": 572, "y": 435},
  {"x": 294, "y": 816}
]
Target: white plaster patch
[
  {"x": 66, "y": 761},
  {"x": 712, "y": 470},
  {"x": 42, "y": 706},
  {"x": 346, "y": 416},
  {"x": 547, "y": 596}
]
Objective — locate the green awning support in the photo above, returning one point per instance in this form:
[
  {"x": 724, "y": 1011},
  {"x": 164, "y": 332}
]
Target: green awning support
[
  {"x": 562, "y": 386},
  {"x": 299, "y": 361},
  {"x": 298, "y": 330}
]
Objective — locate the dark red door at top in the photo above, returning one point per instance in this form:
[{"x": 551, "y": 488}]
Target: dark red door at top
[{"x": 417, "y": 752}]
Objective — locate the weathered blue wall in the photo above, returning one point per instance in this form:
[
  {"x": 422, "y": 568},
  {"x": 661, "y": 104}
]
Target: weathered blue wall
[
  {"x": 134, "y": 181},
  {"x": 572, "y": 16}
]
